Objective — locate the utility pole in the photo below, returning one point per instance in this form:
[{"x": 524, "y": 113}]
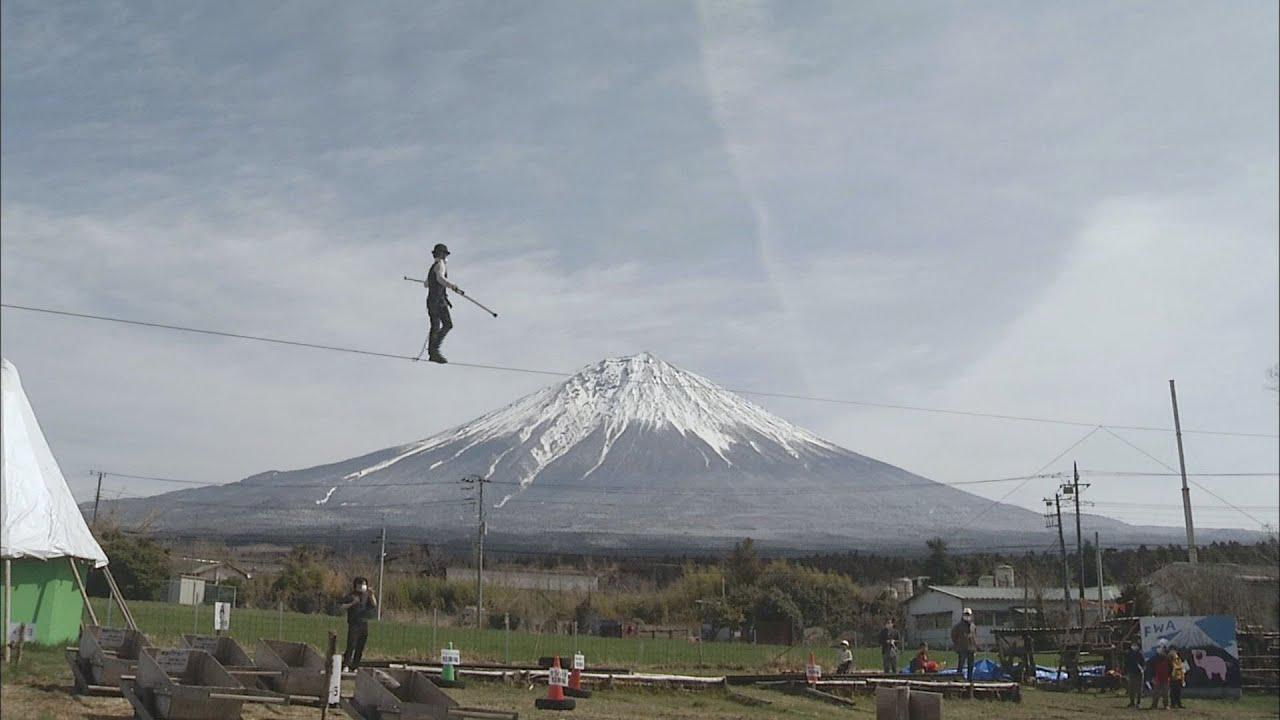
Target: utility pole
[
  {"x": 1186, "y": 492},
  {"x": 1074, "y": 489},
  {"x": 1055, "y": 520},
  {"x": 480, "y": 533},
  {"x": 97, "y": 497},
  {"x": 382, "y": 559},
  {"x": 1097, "y": 554}
]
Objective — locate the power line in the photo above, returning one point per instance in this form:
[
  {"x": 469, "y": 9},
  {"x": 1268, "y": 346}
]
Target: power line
[
  {"x": 1119, "y": 473},
  {"x": 319, "y": 485},
  {"x": 556, "y": 373},
  {"x": 1169, "y": 467},
  {"x": 1020, "y": 485}
]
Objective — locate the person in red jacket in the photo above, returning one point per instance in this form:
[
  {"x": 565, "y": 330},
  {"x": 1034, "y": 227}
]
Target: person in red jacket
[{"x": 1161, "y": 673}]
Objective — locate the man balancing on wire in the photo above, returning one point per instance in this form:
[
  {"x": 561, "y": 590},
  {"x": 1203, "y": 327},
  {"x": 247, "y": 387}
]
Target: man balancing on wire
[{"x": 438, "y": 304}]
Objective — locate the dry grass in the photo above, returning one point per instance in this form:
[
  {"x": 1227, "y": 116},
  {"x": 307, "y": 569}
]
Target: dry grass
[{"x": 39, "y": 690}]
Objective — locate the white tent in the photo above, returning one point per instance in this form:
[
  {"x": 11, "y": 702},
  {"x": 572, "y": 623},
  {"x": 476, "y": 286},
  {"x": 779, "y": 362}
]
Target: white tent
[
  {"x": 40, "y": 517},
  {"x": 39, "y": 524}
]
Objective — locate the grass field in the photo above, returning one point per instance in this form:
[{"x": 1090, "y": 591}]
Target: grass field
[
  {"x": 420, "y": 640},
  {"x": 38, "y": 690}
]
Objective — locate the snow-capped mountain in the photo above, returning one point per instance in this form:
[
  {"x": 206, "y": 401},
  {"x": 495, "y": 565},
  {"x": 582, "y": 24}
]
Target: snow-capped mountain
[{"x": 628, "y": 447}]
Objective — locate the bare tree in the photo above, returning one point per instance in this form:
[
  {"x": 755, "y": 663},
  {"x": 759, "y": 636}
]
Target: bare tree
[{"x": 1273, "y": 378}]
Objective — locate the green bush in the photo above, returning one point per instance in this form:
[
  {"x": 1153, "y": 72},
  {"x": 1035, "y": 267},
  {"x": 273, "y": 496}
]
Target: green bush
[{"x": 139, "y": 565}]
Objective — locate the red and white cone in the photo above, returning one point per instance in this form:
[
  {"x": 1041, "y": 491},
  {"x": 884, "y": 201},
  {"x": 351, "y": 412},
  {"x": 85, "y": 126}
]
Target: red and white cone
[
  {"x": 556, "y": 681},
  {"x": 575, "y": 678},
  {"x": 812, "y": 672}
]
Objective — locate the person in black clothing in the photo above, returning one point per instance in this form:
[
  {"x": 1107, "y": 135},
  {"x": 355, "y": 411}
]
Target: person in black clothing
[
  {"x": 438, "y": 302},
  {"x": 1134, "y": 663},
  {"x": 889, "y": 647},
  {"x": 361, "y": 606}
]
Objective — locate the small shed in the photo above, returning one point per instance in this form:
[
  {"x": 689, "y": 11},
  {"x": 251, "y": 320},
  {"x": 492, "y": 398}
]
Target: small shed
[
  {"x": 186, "y": 590},
  {"x": 46, "y": 545}
]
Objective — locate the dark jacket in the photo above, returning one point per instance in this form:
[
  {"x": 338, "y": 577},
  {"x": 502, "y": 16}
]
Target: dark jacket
[
  {"x": 889, "y": 641},
  {"x": 964, "y": 637},
  {"x": 363, "y": 611},
  {"x": 1133, "y": 662}
]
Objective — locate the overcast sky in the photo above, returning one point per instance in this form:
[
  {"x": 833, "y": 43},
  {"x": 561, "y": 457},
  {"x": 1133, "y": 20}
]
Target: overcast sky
[{"x": 1042, "y": 209}]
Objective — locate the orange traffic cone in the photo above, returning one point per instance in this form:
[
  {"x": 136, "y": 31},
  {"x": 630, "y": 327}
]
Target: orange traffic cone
[
  {"x": 812, "y": 672},
  {"x": 575, "y": 681},
  {"x": 555, "y": 699}
]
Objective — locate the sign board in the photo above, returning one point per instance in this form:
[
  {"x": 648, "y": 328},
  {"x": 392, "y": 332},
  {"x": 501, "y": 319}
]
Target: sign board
[
  {"x": 813, "y": 673},
  {"x": 25, "y": 632},
  {"x": 205, "y": 643},
  {"x": 221, "y": 617},
  {"x": 558, "y": 676},
  {"x": 1206, "y": 646},
  {"x": 449, "y": 656},
  {"x": 579, "y": 661},
  {"x": 111, "y": 638},
  {"x": 335, "y": 680},
  {"x": 173, "y": 662}
]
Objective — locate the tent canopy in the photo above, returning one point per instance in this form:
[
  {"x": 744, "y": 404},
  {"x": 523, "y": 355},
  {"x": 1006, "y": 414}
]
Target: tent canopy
[{"x": 40, "y": 517}]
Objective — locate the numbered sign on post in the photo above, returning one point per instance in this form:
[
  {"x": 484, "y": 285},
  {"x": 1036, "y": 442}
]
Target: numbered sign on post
[
  {"x": 579, "y": 662},
  {"x": 558, "y": 676},
  {"x": 222, "y": 617},
  {"x": 173, "y": 662},
  {"x": 335, "y": 680},
  {"x": 813, "y": 673},
  {"x": 449, "y": 656}
]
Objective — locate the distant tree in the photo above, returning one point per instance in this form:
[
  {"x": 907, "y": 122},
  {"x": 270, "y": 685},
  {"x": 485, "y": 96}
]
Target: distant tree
[
  {"x": 939, "y": 566},
  {"x": 139, "y": 565},
  {"x": 1136, "y": 599},
  {"x": 744, "y": 564},
  {"x": 301, "y": 583},
  {"x": 1273, "y": 378}
]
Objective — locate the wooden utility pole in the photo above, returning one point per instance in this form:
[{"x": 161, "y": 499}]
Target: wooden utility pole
[
  {"x": 1055, "y": 520},
  {"x": 1186, "y": 492},
  {"x": 1075, "y": 490},
  {"x": 480, "y": 533},
  {"x": 1097, "y": 554},
  {"x": 97, "y": 497}
]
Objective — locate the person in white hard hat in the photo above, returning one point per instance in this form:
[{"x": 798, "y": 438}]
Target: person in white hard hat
[
  {"x": 964, "y": 638},
  {"x": 844, "y": 658}
]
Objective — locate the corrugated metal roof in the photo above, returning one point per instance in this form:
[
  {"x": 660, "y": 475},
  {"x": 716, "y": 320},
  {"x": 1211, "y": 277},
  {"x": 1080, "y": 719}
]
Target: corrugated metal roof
[{"x": 974, "y": 592}]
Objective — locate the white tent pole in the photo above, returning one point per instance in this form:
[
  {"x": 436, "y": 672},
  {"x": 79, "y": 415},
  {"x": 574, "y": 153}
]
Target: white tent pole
[{"x": 8, "y": 604}]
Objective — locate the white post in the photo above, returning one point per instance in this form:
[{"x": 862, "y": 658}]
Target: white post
[{"x": 382, "y": 557}]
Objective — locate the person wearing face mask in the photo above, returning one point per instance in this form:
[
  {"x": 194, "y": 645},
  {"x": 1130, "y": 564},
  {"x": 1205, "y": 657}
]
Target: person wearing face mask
[
  {"x": 361, "y": 606},
  {"x": 1134, "y": 663},
  {"x": 964, "y": 637}
]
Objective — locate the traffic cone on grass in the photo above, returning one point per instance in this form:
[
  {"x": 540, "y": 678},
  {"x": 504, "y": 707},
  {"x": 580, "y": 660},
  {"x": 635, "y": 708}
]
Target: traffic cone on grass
[
  {"x": 555, "y": 699},
  {"x": 575, "y": 681}
]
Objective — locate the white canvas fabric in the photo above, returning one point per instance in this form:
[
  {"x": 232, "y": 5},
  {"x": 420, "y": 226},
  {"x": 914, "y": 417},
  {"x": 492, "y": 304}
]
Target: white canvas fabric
[{"x": 40, "y": 517}]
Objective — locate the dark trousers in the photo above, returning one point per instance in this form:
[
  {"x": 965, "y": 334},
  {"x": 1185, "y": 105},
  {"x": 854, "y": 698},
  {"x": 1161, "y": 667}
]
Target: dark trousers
[
  {"x": 889, "y": 662},
  {"x": 964, "y": 658},
  {"x": 1175, "y": 693},
  {"x": 441, "y": 324},
  {"x": 1134, "y": 683},
  {"x": 357, "y": 636}
]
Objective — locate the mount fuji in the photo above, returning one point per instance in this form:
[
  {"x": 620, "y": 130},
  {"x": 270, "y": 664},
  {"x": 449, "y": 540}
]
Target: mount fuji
[{"x": 627, "y": 451}]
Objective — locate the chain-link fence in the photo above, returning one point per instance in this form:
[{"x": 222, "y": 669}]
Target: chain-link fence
[{"x": 422, "y": 638}]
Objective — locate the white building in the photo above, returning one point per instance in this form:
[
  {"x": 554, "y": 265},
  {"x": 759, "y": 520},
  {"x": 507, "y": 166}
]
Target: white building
[{"x": 932, "y": 612}]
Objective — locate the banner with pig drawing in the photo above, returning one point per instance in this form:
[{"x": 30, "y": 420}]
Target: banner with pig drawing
[{"x": 1206, "y": 645}]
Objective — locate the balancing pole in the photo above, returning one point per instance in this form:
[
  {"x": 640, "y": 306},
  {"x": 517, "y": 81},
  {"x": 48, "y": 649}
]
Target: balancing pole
[{"x": 477, "y": 302}]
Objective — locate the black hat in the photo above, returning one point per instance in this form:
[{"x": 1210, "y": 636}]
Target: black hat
[{"x": 439, "y": 250}]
